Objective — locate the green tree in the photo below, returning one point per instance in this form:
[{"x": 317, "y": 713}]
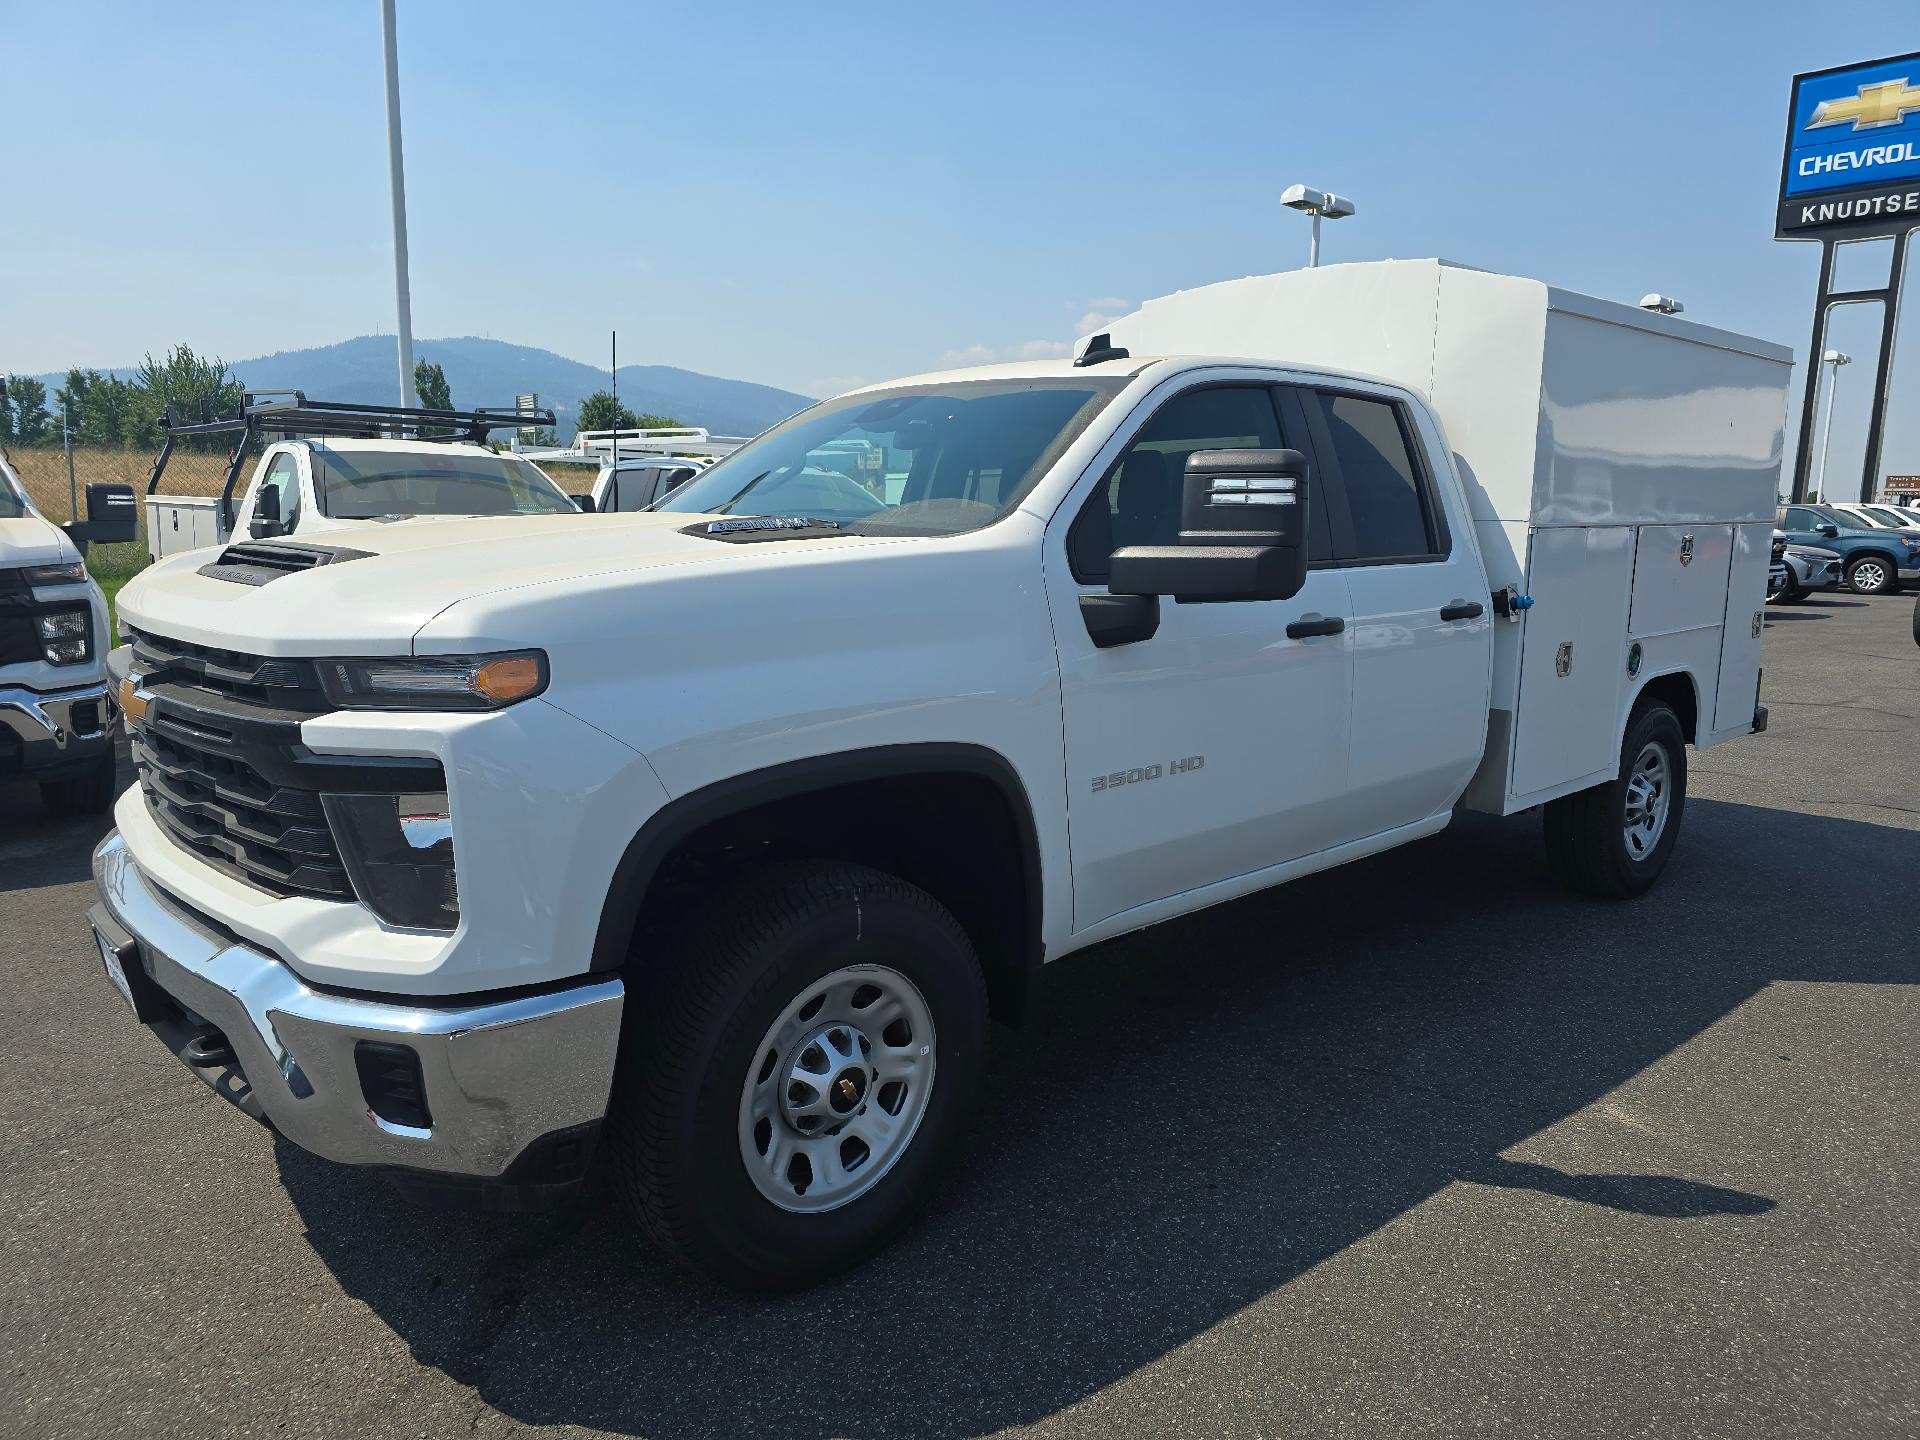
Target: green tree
[
  {"x": 27, "y": 417},
  {"x": 95, "y": 407},
  {"x": 430, "y": 384},
  {"x": 600, "y": 411},
  {"x": 191, "y": 387},
  {"x": 656, "y": 422}
]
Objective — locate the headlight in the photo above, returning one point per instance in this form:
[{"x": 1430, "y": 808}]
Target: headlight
[
  {"x": 435, "y": 682},
  {"x": 398, "y": 850},
  {"x": 65, "y": 636},
  {"x": 63, "y": 574}
]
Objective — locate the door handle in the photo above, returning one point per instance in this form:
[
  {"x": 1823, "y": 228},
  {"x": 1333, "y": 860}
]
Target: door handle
[
  {"x": 1463, "y": 610},
  {"x": 1315, "y": 625}
]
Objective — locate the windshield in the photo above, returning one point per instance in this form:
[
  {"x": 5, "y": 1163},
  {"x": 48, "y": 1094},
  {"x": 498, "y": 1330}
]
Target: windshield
[
  {"x": 931, "y": 460},
  {"x": 364, "y": 484},
  {"x": 13, "y": 505},
  {"x": 1887, "y": 517}
]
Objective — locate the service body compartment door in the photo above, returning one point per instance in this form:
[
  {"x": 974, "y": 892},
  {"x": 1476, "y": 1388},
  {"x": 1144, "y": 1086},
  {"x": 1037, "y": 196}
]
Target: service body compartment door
[
  {"x": 1740, "y": 644},
  {"x": 1572, "y": 655},
  {"x": 1680, "y": 578}
]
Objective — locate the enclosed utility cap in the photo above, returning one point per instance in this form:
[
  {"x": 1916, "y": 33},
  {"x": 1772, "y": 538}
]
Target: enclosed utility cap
[{"x": 1665, "y": 304}]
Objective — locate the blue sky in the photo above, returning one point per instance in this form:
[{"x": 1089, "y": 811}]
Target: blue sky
[{"x": 812, "y": 196}]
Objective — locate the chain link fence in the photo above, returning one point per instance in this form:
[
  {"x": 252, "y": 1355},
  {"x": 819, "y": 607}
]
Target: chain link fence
[{"x": 43, "y": 470}]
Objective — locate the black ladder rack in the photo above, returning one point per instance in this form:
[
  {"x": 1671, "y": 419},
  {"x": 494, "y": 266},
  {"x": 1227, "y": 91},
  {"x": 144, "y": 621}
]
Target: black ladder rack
[{"x": 288, "y": 413}]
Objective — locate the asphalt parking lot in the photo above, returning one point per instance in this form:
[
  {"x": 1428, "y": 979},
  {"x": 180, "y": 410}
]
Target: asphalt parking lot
[{"x": 1420, "y": 1146}]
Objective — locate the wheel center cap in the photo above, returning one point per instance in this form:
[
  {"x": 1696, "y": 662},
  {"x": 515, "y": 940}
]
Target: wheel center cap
[
  {"x": 827, "y": 1079},
  {"x": 849, "y": 1088}
]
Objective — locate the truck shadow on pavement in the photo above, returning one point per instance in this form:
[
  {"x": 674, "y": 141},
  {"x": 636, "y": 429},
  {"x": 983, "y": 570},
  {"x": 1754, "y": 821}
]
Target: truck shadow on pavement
[{"x": 1197, "y": 1116}]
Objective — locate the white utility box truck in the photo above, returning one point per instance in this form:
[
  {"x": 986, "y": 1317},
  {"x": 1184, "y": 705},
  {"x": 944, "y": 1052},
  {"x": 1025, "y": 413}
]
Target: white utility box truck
[
  {"x": 328, "y": 467},
  {"x": 701, "y": 844},
  {"x": 630, "y": 469}
]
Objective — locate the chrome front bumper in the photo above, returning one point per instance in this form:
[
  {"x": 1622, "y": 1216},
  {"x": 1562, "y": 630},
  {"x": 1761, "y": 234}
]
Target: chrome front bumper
[
  {"x": 49, "y": 731},
  {"x": 514, "y": 1088}
]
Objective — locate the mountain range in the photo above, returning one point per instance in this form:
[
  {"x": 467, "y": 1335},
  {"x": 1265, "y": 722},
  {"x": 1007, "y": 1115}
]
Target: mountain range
[{"x": 492, "y": 372}]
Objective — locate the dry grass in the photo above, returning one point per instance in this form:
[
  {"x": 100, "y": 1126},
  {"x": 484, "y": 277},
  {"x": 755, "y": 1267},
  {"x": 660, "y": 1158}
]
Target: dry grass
[{"x": 44, "y": 473}]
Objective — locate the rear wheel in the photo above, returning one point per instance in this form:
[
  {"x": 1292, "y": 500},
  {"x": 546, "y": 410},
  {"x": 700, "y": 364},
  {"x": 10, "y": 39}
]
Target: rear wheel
[
  {"x": 1614, "y": 840},
  {"x": 809, "y": 1064},
  {"x": 89, "y": 792},
  {"x": 1870, "y": 575}
]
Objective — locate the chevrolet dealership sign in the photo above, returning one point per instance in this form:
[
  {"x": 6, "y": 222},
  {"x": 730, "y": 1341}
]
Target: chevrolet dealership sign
[{"x": 1852, "y": 165}]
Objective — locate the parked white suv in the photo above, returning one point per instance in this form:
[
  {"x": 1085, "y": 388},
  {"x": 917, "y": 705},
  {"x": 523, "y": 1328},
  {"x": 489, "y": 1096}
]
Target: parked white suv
[
  {"x": 56, "y": 713},
  {"x": 705, "y": 842}
]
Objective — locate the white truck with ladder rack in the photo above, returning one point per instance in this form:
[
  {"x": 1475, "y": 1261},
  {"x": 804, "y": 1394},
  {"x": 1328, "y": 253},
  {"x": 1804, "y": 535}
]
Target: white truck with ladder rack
[
  {"x": 331, "y": 467},
  {"x": 701, "y": 844}
]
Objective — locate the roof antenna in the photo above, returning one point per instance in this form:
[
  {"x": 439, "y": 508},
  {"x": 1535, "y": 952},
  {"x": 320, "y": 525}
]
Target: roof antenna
[{"x": 1099, "y": 350}]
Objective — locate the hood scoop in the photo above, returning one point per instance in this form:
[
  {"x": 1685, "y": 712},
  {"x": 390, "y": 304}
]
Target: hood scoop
[{"x": 253, "y": 562}]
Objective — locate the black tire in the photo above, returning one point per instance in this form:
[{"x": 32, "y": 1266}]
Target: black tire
[
  {"x": 1794, "y": 594},
  {"x": 673, "y": 1130},
  {"x": 1586, "y": 832},
  {"x": 1871, "y": 575},
  {"x": 1781, "y": 591},
  {"x": 1916, "y": 622},
  {"x": 90, "y": 792}
]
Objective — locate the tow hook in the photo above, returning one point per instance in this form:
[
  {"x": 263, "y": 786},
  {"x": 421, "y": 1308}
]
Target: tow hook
[
  {"x": 206, "y": 1050},
  {"x": 1508, "y": 601}
]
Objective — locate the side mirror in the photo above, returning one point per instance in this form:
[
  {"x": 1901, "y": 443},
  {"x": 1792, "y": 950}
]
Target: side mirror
[
  {"x": 1243, "y": 532},
  {"x": 113, "y": 514},
  {"x": 585, "y": 502},
  {"x": 266, "y": 513},
  {"x": 1832, "y": 532}
]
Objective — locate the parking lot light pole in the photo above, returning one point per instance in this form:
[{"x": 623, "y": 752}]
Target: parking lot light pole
[
  {"x": 397, "y": 181},
  {"x": 1836, "y": 360},
  {"x": 1320, "y": 205}
]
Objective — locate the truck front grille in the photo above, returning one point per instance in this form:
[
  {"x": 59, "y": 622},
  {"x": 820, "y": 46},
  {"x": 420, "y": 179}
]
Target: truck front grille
[
  {"x": 280, "y": 684},
  {"x": 274, "y": 837}
]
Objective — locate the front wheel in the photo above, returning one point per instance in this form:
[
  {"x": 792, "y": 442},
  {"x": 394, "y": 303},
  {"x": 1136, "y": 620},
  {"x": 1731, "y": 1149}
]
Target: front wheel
[
  {"x": 793, "y": 1089},
  {"x": 1614, "y": 840},
  {"x": 1869, "y": 575}
]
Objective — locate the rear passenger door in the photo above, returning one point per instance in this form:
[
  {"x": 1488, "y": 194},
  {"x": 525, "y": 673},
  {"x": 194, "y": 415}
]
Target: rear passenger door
[{"x": 1418, "y": 623}]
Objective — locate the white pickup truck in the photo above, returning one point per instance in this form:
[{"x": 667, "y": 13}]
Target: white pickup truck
[
  {"x": 56, "y": 711},
  {"x": 336, "y": 468},
  {"x": 701, "y": 844}
]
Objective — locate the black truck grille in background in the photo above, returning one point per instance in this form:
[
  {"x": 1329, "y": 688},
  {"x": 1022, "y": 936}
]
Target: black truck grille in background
[
  {"x": 278, "y": 684},
  {"x": 224, "y": 811}
]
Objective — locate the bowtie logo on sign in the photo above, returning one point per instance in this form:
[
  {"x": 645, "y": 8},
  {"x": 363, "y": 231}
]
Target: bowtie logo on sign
[{"x": 1872, "y": 106}]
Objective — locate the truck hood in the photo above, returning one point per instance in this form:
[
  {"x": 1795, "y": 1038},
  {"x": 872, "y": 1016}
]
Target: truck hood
[
  {"x": 390, "y": 580},
  {"x": 30, "y": 540}
]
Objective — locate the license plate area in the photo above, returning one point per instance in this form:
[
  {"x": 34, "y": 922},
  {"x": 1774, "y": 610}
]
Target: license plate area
[{"x": 127, "y": 973}]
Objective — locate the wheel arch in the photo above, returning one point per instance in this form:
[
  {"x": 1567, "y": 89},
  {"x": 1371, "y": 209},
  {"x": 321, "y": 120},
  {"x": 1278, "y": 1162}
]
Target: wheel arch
[
  {"x": 999, "y": 904},
  {"x": 1681, "y": 693}
]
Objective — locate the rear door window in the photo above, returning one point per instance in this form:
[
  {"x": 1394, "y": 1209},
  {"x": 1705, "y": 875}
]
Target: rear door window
[{"x": 1389, "y": 502}]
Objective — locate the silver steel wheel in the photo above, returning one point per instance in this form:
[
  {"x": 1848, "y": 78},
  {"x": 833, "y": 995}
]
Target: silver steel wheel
[
  {"x": 1648, "y": 798},
  {"x": 836, "y": 1088}
]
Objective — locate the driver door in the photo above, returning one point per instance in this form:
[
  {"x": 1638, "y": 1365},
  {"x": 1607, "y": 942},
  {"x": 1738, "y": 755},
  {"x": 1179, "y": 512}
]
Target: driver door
[{"x": 1217, "y": 746}]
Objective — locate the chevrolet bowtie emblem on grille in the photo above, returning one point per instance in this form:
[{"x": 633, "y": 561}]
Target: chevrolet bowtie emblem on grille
[{"x": 1885, "y": 103}]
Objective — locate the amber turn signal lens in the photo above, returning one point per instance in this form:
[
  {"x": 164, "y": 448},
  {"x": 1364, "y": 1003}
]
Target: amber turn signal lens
[{"x": 508, "y": 679}]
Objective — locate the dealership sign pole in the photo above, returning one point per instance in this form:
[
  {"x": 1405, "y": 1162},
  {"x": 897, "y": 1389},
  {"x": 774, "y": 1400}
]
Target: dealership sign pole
[{"x": 1852, "y": 172}]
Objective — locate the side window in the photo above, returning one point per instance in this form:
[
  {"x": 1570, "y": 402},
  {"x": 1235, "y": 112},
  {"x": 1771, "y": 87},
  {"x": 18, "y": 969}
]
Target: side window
[
  {"x": 1800, "y": 518},
  {"x": 1138, "y": 500},
  {"x": 1387, "y": 496},
  {"x": 283, "y": 475}
]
